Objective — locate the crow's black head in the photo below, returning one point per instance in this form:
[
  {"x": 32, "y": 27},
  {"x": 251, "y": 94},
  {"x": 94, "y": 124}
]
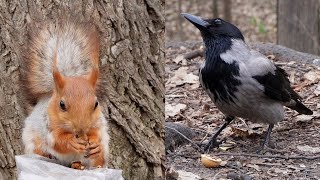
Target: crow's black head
[{"x": 214, "y": 28}]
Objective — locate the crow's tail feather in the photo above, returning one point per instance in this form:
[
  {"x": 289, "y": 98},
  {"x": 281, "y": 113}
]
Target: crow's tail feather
[{"x": 301, "y": 108}]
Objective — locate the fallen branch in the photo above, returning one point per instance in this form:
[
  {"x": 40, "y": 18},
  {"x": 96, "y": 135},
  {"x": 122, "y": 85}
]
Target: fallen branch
[
  {"x": 195, "y": 156},
  {"x": 281, "y": 53},
  {"x": 269, "y": 156},
  {"x": 186, "y": 138},
  {"x": 194, "y": 54}
]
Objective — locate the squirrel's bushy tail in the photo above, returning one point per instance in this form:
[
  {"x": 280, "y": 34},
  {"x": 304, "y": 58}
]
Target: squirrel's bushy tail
[{"x": 76, "y": 45}]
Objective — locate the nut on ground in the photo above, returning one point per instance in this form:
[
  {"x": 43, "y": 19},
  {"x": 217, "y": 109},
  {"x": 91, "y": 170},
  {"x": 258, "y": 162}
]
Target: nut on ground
[{"x": 210, "y": 162}]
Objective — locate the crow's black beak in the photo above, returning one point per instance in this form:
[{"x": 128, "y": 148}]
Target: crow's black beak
[{"x": 196, "y": 20}]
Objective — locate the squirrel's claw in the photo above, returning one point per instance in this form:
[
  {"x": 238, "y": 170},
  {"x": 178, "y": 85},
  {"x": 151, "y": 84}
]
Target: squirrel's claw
[
  {"x": 82, "y": 142},
  {"x": 77, "y": 146},
  {"x": 94, "y": 149}
]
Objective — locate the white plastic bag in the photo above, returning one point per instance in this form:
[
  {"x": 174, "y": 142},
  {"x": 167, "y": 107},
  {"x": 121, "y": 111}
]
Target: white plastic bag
[{"x": 35, "y": 167}]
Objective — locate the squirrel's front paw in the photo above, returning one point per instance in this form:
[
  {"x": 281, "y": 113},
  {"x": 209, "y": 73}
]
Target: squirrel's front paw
[
  {"x": 95, "y": 152},
  {"x": 78, "y": 145},
  {"x": 94, "y": 148}
]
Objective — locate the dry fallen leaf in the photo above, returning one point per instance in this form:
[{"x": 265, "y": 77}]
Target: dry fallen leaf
[
  {"x": 317, "y": 90},
  {"x": 302, "y": 165},
  {"x": 298, "y": 87},
  {"x": 255, "y": 125},
  {"x": 223, "y": 163},
  {"x": 303, "y": 118},
  {"x": 182, "y": 77},
  {"x": 239, "y": 132},
  {"x": 291, "y": 62},
  {"x": 307, "y": 148},
  {"x": 178, "y": 59},
  {"x": 172, "y": 110},
  {"x": 227, "y": 145},
  {"x": 271, "y": 56},
  {"x": 184, "y": 175},
  {"x": 255, "y": 130},
  {"x": 295, "y": 168},
  {"x": 254, "y": 166},
  {"x": 291, "y": 77},
  {"x": 312, "y": 76},
  {"x": 227, "y": 132},
  {"x": 195, "y": 86},
  {"x": 206, "y": 107},
  {"x": 278, "y": 170}
]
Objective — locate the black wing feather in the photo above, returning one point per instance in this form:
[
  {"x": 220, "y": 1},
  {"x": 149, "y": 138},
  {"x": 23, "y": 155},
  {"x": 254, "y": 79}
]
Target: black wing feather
[{"x": 277, "y": 87}]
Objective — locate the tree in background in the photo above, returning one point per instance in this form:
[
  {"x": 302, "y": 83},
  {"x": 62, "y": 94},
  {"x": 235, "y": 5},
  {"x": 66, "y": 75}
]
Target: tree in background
[{"x": 298, "y": 25}]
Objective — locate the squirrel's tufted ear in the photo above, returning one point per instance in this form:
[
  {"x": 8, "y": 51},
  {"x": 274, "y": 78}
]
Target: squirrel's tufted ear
[
  {"x": 59, "y": 80},
  {"x": 93, "y": 77},
  {"x": 94, "y": 53}
]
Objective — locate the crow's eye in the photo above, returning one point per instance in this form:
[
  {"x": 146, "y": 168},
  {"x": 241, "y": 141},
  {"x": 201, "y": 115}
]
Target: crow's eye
[
  {"x": 217, "y": 21},
  {"x": 63, "y": 105},
  {"x": 96, "y": 105}
]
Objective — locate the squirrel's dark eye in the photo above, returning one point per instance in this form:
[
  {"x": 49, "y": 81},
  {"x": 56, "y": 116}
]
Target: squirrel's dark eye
[
  {"x": 63, "y": 105},
  {"x": 217, "y": 22},
  {"x": 96, "y": 105}
]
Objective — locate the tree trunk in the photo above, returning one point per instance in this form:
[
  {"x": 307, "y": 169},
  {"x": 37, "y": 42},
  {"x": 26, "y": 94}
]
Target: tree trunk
[
  {"x": 298, "y": 25},
  {"x": 132, "y": 83},
  {"x": 227, "y": 10}
]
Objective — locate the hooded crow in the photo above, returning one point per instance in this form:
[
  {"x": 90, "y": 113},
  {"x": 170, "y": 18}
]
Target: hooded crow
[{"x": 240, "y": 81}]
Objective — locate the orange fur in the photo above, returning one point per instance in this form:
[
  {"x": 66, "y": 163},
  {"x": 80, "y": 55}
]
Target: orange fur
[
  {"x": 94, "y": 138},
  {"x": 78, "y": 94},
  {"x": 73, "y": 123},
  {"x": 99, "y": 160},
  {"x": 38, "y": 143},
  {"x": 79, "y": 121}
]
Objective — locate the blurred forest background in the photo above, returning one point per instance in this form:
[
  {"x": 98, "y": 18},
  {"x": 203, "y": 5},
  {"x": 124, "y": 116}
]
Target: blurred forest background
[
  {"x": 292, "y": 23},
  {"x": 256, "y": 19}
]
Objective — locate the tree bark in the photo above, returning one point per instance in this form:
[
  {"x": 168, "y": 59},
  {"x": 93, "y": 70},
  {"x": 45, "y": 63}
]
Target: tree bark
[
  {"x": 132, "y": 83},
  {"x": 298, "y": 25}
]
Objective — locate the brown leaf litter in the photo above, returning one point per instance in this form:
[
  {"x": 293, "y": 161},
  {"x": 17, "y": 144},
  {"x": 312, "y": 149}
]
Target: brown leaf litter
[{"x": 296, "y": 138}]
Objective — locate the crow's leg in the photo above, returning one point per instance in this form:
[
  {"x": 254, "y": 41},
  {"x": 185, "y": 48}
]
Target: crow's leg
[
  {"x": 214, "y": 137},
  {"x": 267, "y": 139}
]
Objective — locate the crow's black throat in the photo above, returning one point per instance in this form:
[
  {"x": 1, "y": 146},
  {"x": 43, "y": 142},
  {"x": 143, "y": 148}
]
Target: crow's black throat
[{"x": 217, "y": 75}]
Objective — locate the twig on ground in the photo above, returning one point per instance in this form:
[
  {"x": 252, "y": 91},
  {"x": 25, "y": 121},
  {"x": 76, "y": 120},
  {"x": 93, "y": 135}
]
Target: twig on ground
[
  {"x": 268, "y": 164},
  {"x": 269, "y": 156},
  {"x": 189, "y": 121},
  {"x": 191, "y": 156},
  {"x": 275, "y": 150},
  {"x": 223, "y": 172},
  {"x": 186, "y": 138},
  {"x": 234, "y": 167},
  {"x": 176, "y": 96},
  {"x": 205, "y": 137}
]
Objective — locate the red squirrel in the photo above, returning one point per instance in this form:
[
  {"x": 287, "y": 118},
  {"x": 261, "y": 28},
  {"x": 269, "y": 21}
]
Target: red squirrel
[{"x": 60, "y": 72}]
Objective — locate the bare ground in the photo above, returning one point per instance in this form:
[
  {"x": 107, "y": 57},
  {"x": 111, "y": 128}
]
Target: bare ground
[{"x": 296, "y": 139}]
